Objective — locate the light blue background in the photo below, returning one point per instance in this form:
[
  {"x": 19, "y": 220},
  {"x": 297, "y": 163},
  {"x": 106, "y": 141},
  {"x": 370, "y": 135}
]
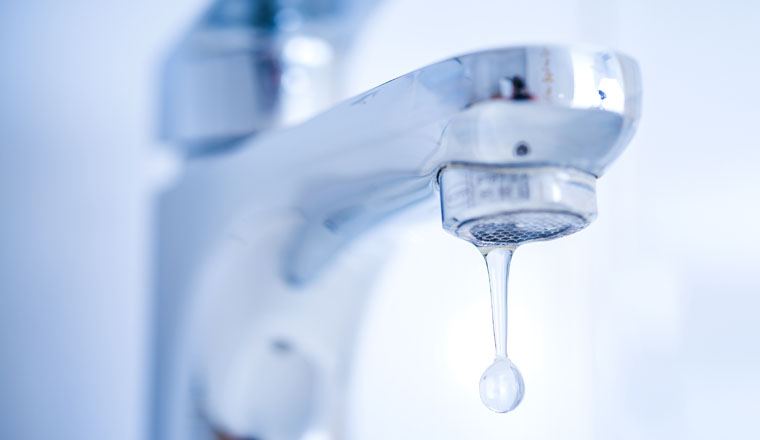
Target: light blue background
[{"x": 664, "y": 283}]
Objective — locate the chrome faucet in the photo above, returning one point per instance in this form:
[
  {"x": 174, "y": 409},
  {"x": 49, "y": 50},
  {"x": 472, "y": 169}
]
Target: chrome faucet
[{"x": 257, "y": 303}]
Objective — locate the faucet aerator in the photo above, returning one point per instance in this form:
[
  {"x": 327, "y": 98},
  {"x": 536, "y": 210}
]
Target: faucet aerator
[{"x": 510, "y": 206}]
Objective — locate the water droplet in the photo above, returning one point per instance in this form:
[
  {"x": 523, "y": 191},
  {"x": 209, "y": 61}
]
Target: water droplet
[{"x": 501, "y": 386}]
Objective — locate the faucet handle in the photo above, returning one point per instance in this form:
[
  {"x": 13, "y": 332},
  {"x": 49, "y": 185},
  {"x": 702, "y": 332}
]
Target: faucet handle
[{"x": 250, "y": 65}]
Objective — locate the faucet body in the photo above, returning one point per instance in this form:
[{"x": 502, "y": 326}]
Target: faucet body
[{"x": 258, "y": 302}]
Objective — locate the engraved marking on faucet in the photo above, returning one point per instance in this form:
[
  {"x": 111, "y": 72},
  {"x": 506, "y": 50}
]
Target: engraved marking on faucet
[{"x": 548, "y": 78}]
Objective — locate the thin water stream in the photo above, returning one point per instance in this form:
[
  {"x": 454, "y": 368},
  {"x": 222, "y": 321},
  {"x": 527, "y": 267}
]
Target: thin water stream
[{"x": 501, "y": 386}]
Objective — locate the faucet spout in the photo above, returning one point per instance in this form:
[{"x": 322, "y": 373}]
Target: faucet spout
[
  {"x": 506, "y": 135},
  {"x": 382, "y": 151}
]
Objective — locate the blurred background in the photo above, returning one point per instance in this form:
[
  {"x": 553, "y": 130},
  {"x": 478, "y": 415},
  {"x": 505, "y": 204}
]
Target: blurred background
[{"x": 642, "y": 326}]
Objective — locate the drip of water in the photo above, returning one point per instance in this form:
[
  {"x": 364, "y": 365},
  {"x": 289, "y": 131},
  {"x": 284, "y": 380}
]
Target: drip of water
[{"x": 501, "y": 386}]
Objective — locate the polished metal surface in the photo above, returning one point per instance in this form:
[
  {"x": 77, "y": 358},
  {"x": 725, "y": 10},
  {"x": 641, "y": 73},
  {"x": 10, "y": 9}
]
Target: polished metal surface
[
  {"x": 291, "y": 199},
  {"x": 381, "y": 151},
  {"x": 246, "y": 66}
]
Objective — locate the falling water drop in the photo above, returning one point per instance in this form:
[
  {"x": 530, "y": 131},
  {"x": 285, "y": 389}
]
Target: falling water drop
[{"x": 501, "y": 386}]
